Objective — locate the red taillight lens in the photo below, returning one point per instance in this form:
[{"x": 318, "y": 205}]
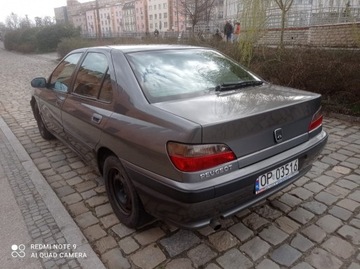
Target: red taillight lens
[
  {"x": 316, "y": 121},
  {"x": 191, "y": 158}
]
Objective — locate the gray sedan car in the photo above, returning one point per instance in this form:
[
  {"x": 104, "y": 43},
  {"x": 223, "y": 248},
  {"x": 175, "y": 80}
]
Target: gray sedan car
[{"x": 184, "y": 134}]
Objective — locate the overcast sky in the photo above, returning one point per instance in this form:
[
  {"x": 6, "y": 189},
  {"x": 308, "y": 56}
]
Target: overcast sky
[{"x": 32, "y": 8}]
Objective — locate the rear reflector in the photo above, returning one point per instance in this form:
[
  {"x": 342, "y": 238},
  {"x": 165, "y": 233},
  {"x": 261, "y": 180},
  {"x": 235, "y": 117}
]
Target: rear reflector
[
  {"x": 316, "y": 121},
  {"x": 192, "y": 158}
]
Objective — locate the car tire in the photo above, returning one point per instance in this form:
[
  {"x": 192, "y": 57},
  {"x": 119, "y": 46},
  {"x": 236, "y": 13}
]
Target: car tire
[
  {"x": 44, "y": 132},
  {"x": 123, "y": 197}
]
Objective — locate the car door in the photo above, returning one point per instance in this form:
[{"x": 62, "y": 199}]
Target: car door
[
  {"x": 89, "y": 105},
  {"x": 52, "y": 98}
]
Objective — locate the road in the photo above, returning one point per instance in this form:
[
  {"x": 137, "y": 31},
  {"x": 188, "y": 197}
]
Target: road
[{"x": 314, "y": 223}]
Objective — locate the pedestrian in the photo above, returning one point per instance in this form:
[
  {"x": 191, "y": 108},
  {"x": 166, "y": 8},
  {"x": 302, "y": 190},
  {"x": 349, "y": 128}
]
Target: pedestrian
[
  {"x": 156, "y": 33},
  {"x": 237, "y": 32},
  {"x": 228, "y": 31}
]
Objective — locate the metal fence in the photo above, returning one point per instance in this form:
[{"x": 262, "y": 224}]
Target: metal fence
[{"x": 311, "y": 17}]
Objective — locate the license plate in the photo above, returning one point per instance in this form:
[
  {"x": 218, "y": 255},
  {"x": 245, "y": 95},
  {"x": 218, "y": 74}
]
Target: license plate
[{"x": 276, "y": 176}]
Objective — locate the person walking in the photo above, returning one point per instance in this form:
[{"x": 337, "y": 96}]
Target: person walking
[
  {"x": 237, "y": 32},
  {"x": 228, "y": 31}
]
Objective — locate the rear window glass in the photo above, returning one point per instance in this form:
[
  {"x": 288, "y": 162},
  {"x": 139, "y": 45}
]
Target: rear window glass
[{"x": 178, "y": 74}]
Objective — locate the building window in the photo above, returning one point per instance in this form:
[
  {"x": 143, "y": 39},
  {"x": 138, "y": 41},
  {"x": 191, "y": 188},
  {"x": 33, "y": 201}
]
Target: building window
[{"x": 165, "y": 15}]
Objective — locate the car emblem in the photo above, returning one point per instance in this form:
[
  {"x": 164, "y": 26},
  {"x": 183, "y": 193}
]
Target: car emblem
[{"x": 278, "y": 135}]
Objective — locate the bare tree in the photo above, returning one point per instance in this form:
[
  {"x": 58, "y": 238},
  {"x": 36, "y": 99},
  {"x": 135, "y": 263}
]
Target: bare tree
[
  {"x": 284, "y": 6},
  {"x": 196, "y": 11},
  {"x": 13, "y": 21}
]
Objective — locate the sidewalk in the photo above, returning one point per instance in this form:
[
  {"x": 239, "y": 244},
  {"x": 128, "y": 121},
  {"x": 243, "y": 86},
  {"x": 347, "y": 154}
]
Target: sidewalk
[{"x": 36, "y": 230}]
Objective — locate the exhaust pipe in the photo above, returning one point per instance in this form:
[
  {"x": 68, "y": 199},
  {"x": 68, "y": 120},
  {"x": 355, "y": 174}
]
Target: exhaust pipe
[{"x": 215, "y": 224}]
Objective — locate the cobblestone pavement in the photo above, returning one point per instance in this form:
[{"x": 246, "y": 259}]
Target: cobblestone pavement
[{"x": 314, "y": 223}]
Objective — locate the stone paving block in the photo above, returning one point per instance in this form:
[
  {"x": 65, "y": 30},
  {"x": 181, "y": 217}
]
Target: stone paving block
[
  {"x": 97, "y": 200},
  {"x": 285, "y": 255},
  {"x": 287, "y": 225},
  {"x": 128, "y": 245},
  {"x": 301, "y": 193},
  {"x": 324, "y": 180},
  {"x": 340, "y": 212},
  {"x": 88, "y": 194},
  {"x": 103, "y": 210},
  {"x": 223, "y": 240},
  {"x": 348, "y": 204},
  {"x": 347, "y": 184},
  {"x": 149, "y": 236},
  {"x": 149, "y": 257},
  {"x": 281, "y": 206},
  {"x": 179, "y": 242},
  {"x": 109, "y": 220},
  {"x": 321, "y": 259},
  {"x": 337, "y": 191},
  {"x": 85, "y": 186},
  {"x": 314, "y": 233},
  {"x": 234, "y": 259},
  {"x": 355, "y": 196},
  {"x": 255, "y": 248},
  {"x": 86, "y": 219},
  {"x": 353, "y": 177},
  {"x": 339, "y": 247},
  {"x": 355, "y": 223},
  {"x": 302, "y": 265},
  {"x": 300, "y": 182},
  {"x": 301, "y": 243},
  {"x": 329, "y": 223},
  {"x": 78, "y": 208},
  {"x": 352, "y": 234},
  {"x": 181, "y": 263},
  {"x": 115, "y": 260},
  {"x": 211, "y": 266},
  {"x": 241, "y": 232},
  {"x": 201, "y": 255},
  {"x": 105, "y": 243},
  {"x": 341, "y": 170},
  {"x": 314, "y": 187},
  {"x": 64, "y": 191},
  {"x": 301, "y": 215},
  {"x": 121, "y": 230},
  {"x": 273, "y": 235},
  {"x": 73, "y": 181},
  {"x": 326, "y": 198},
  {"x": 254, "y": 221},
  {"x": 290, "y": 200},
  {"x": 71, "y": 199},
  {"x": 268, "y": 212},
  {"x": 354, "y": 266},
  {"x": 267, "y": 264},
  {"x": 94, "y": 232},
  {"x": 315, "y": 207}
]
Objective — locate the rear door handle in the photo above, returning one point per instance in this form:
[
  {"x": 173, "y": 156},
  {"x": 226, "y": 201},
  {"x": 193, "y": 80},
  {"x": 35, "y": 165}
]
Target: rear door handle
[{"x": 96, "y": 118}]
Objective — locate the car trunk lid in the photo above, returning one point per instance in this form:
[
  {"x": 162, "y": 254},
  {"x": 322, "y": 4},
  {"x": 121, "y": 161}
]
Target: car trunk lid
[{"x": 267, "y": 119}]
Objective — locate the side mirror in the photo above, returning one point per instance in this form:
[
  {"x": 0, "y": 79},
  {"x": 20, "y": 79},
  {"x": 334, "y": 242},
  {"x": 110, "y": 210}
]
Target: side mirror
[{"x": 38, "y": 83}]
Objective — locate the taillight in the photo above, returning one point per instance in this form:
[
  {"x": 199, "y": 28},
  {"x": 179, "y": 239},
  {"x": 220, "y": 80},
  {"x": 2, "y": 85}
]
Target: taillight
[
  {"x": 316, "y": 121},
  {"x": 191, "y": 158}
]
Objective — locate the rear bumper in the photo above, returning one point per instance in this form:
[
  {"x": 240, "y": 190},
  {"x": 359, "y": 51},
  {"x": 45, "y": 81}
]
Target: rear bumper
[{"x": 194, "y": 208}]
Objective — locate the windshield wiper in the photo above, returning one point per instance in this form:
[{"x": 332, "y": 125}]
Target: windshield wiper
[{"x": 237, "y": 85}]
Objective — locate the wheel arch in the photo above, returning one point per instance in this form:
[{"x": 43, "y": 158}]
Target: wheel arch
[{"x": 102, "y": 154}]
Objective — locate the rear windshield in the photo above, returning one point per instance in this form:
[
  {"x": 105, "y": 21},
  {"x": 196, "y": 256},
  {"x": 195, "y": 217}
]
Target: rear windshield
[{"x": 179, "y": 74}]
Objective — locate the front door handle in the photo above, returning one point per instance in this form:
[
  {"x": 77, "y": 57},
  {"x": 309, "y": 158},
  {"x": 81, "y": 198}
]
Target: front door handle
[{"x": 96, "y": 118}]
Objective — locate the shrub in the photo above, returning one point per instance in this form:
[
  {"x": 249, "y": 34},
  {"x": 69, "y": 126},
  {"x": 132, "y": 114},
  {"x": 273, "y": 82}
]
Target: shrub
[{"x": 49, "y": 37}]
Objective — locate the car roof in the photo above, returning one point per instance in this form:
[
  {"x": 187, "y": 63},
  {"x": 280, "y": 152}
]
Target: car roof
[{"x": 142, "y": 47}]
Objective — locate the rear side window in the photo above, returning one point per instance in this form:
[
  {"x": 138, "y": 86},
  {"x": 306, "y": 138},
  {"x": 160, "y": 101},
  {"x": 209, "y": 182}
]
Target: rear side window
[
  {"x": 61, "y": 77},
  {"x": 93, "y": 79},
  {"x": 178, "y": 74}
]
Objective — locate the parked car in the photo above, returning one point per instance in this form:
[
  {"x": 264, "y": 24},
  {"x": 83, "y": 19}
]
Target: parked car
[{"x": 184, "y": 134}]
